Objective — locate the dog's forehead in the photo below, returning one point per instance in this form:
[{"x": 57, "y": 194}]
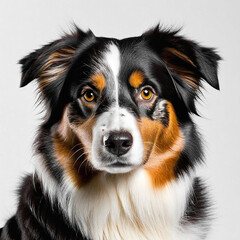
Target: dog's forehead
[
  {"x": 110, "y": 64},
  {"x": 124, "y": 61}
]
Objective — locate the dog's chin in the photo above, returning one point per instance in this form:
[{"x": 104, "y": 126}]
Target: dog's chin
[{"x": 116, "y": 168}]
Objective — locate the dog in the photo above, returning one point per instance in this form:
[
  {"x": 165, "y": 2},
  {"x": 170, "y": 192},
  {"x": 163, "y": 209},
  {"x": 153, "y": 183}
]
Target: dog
[{"x": 117, "y": 151}]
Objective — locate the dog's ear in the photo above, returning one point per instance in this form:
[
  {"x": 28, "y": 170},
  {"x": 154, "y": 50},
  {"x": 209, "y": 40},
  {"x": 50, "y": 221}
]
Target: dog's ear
[
  {"x": 49, "y": 64},
  {"x": 188, "y": 63}
]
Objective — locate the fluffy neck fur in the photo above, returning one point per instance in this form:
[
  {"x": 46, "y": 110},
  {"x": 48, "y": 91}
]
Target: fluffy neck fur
[{"x": 123, "y": 206}]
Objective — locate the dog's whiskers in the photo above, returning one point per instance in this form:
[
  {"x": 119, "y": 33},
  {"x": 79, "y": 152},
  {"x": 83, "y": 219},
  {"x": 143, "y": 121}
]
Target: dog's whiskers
[
  {"x": 82, "y": 164},
  {"x": 84, "y": 153},
  {"x": 69, "y": 157}
]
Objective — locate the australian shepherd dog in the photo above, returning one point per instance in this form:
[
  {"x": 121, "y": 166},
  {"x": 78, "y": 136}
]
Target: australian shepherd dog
[{"x": 117, "y": 150}]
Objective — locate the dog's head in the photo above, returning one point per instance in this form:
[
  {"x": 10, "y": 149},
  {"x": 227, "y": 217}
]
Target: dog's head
[{"x": 118, "y": 105}]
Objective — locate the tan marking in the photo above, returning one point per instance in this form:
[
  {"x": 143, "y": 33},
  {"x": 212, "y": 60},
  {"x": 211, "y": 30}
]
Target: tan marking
[
  {"x": 99, "y": 81},
  {"x": 55, "y": 66},
  {"x": 180, "y": 55},
  {"x": 72, "y": 145},
  {"x": 187, "y": 75},
  {"x": 162, "y": 147},
  {"x": 161, "y": 166},
  {"x": 64, "y": 129},
  {"x": 136, "y": 79},
  {"x": 66, "y": 158},
  {"x": 190, "y": 79}
]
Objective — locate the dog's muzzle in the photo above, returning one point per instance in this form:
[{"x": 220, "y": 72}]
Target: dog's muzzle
[{"x": 117, "y": 143}]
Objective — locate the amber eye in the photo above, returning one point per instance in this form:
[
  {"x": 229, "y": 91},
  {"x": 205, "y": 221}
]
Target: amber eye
[
  {"x": 89, "y": 95},
  {"x": 147, "y": 94}
]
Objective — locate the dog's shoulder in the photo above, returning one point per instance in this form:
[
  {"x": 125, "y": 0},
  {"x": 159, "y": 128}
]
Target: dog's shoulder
[{"x": 36, "y": 217}]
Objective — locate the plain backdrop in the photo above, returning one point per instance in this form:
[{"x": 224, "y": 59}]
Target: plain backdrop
[{"x": 27, "y": 24}]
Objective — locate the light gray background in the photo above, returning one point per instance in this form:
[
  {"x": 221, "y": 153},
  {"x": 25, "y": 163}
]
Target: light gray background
[{"x": 26, "y": 25}]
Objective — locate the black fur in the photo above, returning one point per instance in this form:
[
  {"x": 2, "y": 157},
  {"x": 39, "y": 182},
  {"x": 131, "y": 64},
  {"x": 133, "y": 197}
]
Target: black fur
[{"x": 37, "y": 218}]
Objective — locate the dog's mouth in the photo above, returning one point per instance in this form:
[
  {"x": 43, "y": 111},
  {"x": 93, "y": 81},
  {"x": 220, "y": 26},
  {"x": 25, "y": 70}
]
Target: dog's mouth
[{"x": 117, "y": 165}]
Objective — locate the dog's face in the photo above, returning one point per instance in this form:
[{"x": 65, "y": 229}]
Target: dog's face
[{"x": 118, "y": 105}]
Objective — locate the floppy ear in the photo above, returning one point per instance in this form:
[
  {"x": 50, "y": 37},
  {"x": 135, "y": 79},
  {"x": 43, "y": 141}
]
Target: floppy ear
[
  {"x": 50, "y": 63},
  {"x": 187, "y": 62},
  {"x": 49, "y": 66}
]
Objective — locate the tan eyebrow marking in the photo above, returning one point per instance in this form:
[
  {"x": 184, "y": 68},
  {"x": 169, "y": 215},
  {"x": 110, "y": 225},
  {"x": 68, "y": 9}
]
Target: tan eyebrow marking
[
  {"x": 136, "y": 79},
  {"x": 99, "y": 81}
]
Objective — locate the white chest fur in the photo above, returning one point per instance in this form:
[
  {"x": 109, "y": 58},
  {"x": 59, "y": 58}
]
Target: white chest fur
[{"x": 126, "y": 207}]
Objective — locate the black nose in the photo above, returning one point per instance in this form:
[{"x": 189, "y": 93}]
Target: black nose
[{"x": 118, "y": 143}]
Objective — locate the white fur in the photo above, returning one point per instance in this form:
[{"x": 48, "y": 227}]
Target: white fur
[
  {"x": 50, "y": 186},
  {"x": 112, "y": 60},
  {"x": 124, "y": 206},
  {"x": 108, "y": 122}
]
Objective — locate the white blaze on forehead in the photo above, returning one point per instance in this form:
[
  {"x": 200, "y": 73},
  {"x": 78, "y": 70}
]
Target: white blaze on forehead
[{"x": 112, "y": 59}]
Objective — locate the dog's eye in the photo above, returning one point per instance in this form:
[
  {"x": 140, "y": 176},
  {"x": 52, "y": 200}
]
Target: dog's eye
[
  {"x": 89, "y": 95},
  {"x": 147, "y": 94}
]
